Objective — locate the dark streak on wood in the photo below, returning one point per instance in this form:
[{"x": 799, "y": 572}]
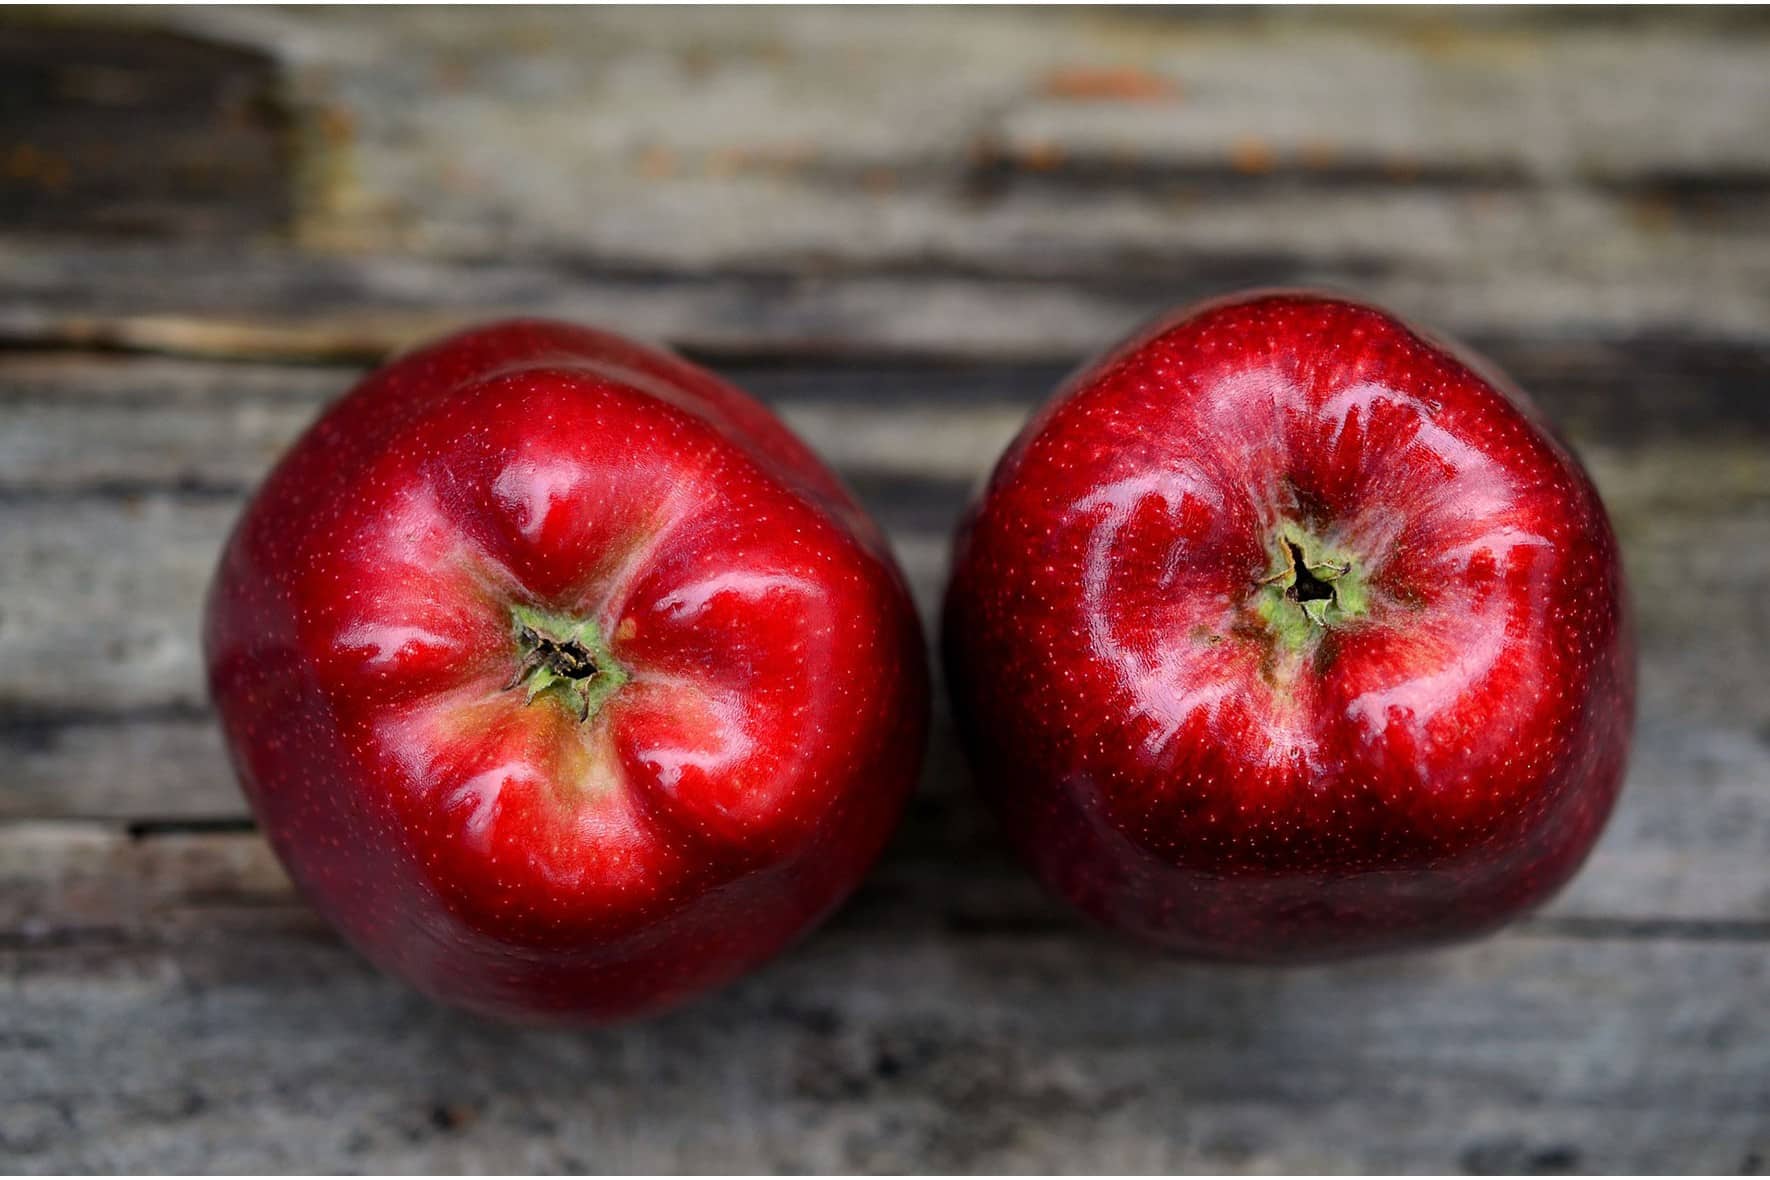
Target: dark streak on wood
[
  {"x": 25, "y": 723},
  {"x": 189, "y": 489},
  {"x": 917, "y": 888},
  {"x": 909, "y": 503},
  {"x": 135, "y": 132},
  {"x": 228, "y": 825},
  {"x": 1093, "y": 176},
  {"x": 170, "y": 1004},
  {"x": 1618, "y": 389},
  {"x": 996, "y": 172},
  {"x": 1681, "y": 929}
]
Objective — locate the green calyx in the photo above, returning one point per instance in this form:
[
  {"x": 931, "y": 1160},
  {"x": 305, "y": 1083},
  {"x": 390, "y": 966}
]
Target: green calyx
[
  {"x": 563, "y": 658},
  {"x": 1315, "y": 588}
]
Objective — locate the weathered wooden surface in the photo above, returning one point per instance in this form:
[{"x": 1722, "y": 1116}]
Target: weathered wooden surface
[{"x": 901, "y": 229}]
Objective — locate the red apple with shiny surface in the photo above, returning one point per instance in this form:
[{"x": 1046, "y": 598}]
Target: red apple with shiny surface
[
  {"x": 1288, "y": 632},
  {"x": 563, "y": 678}
]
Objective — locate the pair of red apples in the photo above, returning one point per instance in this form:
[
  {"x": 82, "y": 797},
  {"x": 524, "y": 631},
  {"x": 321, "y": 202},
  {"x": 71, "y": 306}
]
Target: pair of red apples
[{"x": 568, "y": 683}]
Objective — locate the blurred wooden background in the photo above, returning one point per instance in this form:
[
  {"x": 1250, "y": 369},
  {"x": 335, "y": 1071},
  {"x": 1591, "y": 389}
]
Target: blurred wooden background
[{"x": 900, "y": 227}]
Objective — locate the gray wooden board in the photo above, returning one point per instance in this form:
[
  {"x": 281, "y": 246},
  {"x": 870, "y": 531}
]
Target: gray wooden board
[
  {"x": 257, "y": 302},
  {"x": 122, "y": 846},
  {"x": 249, "y": 1039},
  {"x": 900, "y": 229}
]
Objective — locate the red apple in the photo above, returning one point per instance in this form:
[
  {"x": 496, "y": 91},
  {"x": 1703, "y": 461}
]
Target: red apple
[
  {"x": 564, "y": 680},
  {"x": 1286, "y": 631}
]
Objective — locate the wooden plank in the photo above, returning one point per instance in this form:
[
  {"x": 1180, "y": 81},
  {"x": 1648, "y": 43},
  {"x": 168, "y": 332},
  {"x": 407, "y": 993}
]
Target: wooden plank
[
  {"x": 65, "y": 883},
  {"x": 271, "y": 303},
  {"x": 122, "y": 734},
  {"x": 849, "y": 211},
  {"x": 125, "y": 735},
  {"x": 1613, "y": 388},
  {"x": 89, "y": 450},
  {"x": 1479, "y": 186},
  {"x": 131, "y": 131},
  {"x": 79, "y": 423},
  {"x": 1686, "y": 844},
  {"x": 698, "y": 140},
  {"x": 121, "y": 474},
  {"x": 95, "y": 379},
  {"x": 122, "y": 582},
  {"x": 149, "y": 763},
  {"x": 221, "y": 1027},
  {"x": 120, "y": 572},
  {"x": 1431, "y": 161},
  {"x": 1556, "y": 253}
]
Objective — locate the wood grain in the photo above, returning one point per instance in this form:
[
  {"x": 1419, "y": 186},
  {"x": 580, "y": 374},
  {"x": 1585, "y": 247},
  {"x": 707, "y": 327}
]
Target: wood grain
[
  {"x": 232, "y": 1032},
  {"x": 122, "y": 133},
  {"x": 901, "y": 229},
  {"x": 127, "y": 471},
  {"x": 277, "y": 304},
  {"x": 864, "y": 138}
]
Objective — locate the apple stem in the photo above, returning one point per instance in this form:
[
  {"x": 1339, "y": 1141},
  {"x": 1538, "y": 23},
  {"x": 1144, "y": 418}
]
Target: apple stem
[
  {"x": 1307, "y": 585},
  {"x": 565, "y": 657},
  {"x": 1304, "y": 598}
]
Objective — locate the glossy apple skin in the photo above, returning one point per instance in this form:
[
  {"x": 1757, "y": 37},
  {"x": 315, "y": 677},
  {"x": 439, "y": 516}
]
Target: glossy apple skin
[
  {"x": 1237, "y": 785},
  {"x": 501, "y": 853}
]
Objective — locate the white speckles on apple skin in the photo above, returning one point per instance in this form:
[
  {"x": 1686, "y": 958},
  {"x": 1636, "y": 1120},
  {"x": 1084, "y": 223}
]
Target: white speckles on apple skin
[
  {"x": 1422, "y": 771},
  {"x": 503, "y": 853}
]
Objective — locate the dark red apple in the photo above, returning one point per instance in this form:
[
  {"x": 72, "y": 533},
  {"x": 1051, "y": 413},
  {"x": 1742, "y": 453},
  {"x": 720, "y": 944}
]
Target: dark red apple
[
  {"x": 1286, "y": 631},
  {"x": 565, "y": 681}
]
